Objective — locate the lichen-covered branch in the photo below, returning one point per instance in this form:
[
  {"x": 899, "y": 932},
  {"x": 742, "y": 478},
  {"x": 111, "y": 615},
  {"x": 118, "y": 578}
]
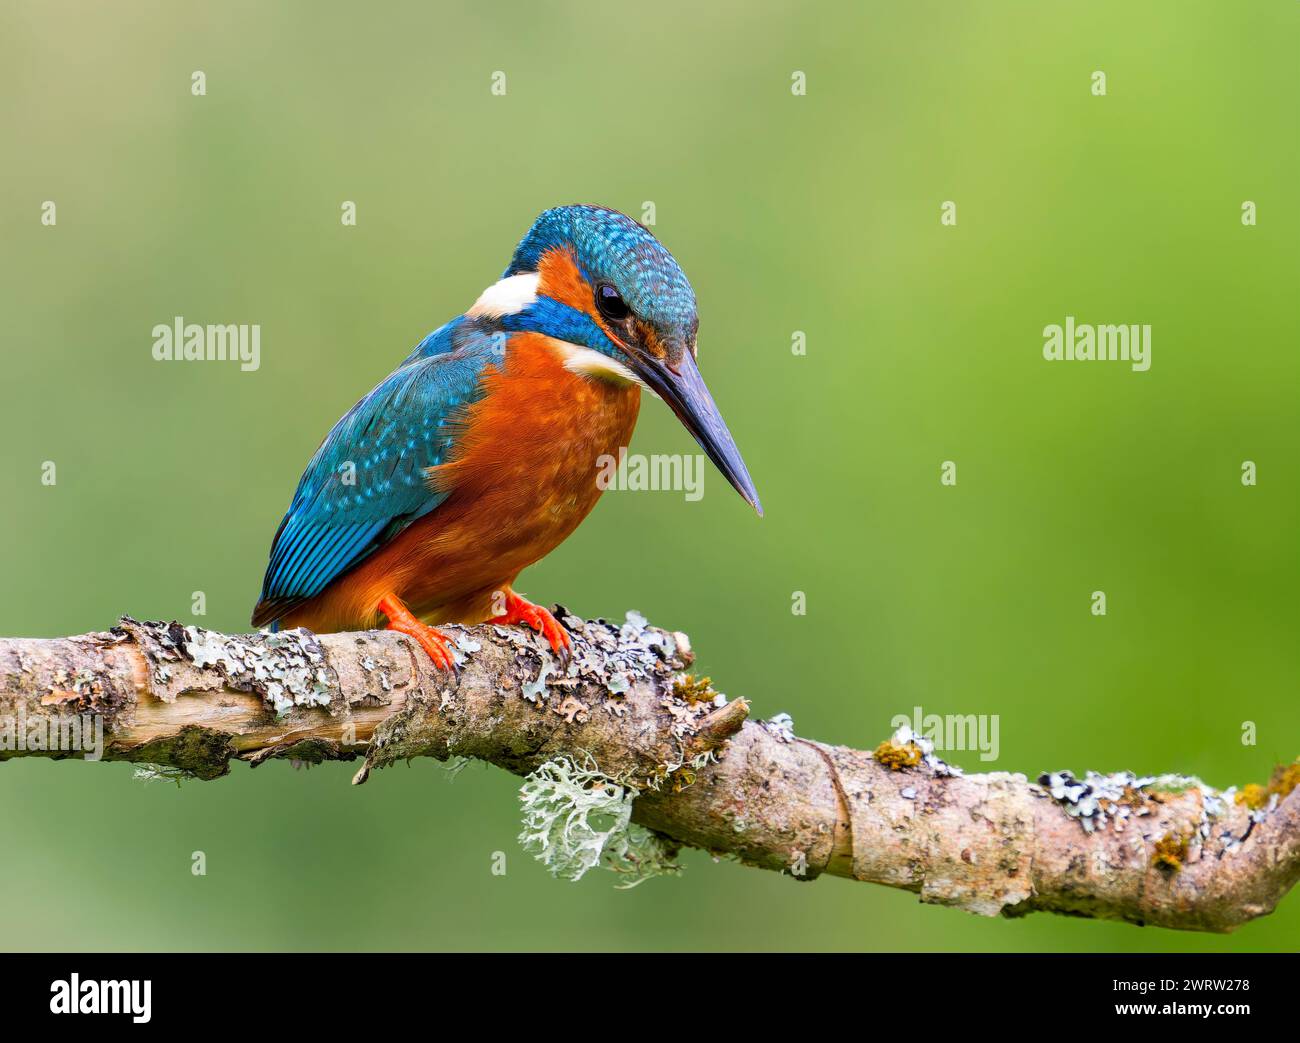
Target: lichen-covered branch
[{"x": 683, "y": 761}]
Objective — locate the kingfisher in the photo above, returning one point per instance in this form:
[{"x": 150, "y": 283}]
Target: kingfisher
[{"x": 479, "y": 454}]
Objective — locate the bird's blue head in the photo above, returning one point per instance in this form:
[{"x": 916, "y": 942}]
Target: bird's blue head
[
  {"x": 598, "y": 281},
  {"x": 637, "y": 278}
]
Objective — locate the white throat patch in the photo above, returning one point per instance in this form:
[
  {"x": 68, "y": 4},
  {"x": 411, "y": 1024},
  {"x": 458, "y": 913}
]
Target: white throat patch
[
  {"x": 507, "y": 296},
  {"x": 592, "y": 363}
]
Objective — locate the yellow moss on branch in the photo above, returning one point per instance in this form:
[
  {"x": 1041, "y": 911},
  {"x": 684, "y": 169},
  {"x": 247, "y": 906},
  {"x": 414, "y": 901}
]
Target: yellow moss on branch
[
  {"x": 694, "y": 689},
  {"x": 896, "y": 757},
  {"x": 1285, "y": 778},
  {"x": 1171, "y": 852}
]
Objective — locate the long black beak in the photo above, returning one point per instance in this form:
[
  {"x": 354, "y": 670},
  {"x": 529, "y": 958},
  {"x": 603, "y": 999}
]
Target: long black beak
[{"x": 687, "y": 396}]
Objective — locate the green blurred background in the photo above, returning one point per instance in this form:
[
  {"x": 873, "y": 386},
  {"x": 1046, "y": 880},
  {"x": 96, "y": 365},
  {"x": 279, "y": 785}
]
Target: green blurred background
[{"x": 816, "y": 213}]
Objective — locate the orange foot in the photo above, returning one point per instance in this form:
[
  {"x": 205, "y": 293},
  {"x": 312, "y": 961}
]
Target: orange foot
[
  {"x": 434, "y": 642},
  {"x": 517, "y": 610}
]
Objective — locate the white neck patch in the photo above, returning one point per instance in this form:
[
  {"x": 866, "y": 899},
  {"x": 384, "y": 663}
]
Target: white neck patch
[
  {"x": 507, "y": 296},
  {"x": 592, "y": 363}
]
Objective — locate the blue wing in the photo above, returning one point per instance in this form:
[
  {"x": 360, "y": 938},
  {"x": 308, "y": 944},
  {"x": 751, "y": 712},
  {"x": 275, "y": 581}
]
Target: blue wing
[{"x": 366, "y": 482}]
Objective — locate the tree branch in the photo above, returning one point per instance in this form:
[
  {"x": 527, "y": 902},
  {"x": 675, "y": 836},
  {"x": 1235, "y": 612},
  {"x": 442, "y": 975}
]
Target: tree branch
[{"x": 1171, "y": 852}]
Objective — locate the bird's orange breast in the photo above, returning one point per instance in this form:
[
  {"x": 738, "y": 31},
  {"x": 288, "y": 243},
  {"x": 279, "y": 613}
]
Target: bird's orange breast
[{"x": 524, "y": 476}]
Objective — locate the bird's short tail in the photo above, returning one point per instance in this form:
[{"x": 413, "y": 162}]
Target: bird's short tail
[{"x": 269, "y": 613}]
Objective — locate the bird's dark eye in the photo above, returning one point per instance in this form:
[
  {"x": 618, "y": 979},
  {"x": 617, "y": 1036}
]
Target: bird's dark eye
[{"x": 610, "y": 304}]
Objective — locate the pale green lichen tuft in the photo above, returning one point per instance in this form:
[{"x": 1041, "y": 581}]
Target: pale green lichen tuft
[
  {"x": 575, "y": 817},
  {"x": 158, "y": 773}
]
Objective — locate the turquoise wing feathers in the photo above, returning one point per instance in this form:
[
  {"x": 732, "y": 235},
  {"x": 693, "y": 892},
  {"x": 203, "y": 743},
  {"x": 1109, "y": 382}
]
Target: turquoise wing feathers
[{"x": 366, "y": 483}]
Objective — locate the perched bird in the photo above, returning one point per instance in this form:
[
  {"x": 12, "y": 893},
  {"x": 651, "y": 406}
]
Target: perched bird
[{"x": 478, "y": 455}]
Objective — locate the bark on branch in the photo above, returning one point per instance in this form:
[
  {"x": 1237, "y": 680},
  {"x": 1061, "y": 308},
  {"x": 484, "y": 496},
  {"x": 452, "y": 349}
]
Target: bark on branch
[{"x": 1171, "y": 852}]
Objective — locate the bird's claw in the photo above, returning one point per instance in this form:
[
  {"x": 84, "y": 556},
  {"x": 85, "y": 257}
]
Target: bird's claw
[
  {"x": 517, "y": 610},
  {"x": 435, "y": 643}
]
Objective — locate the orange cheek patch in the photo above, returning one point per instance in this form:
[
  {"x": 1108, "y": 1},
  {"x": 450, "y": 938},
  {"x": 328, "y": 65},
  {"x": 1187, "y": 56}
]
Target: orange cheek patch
[
  {"x": 649, "y": 339},
  {"x": 560, "y": 280}
]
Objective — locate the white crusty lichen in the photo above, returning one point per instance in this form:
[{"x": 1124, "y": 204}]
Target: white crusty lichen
[
  {"x": 1098, "y": 799},
  {"x": 780, "y": 727},
  {"x": 619, "y": 654},
  {"x": 467, "y": 644},
  {"x": 575, "y": 817},
  {"x": 287, "y": 667},
  {"x": 535, "y": 690},
  {"x": 906, "y": 748}
]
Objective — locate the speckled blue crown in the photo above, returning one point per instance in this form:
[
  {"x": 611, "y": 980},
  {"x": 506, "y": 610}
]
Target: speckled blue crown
[{"x": 612, "y": 246}]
